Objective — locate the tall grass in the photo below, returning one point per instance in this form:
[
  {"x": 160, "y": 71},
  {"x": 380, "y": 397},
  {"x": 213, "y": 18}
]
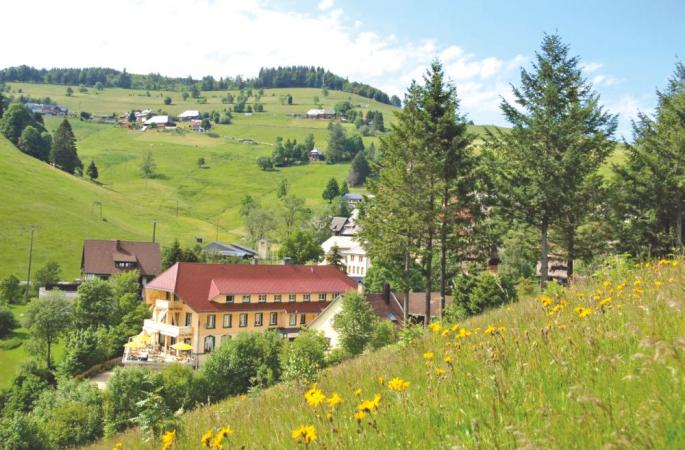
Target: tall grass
[{"x": 530, "y": 375}]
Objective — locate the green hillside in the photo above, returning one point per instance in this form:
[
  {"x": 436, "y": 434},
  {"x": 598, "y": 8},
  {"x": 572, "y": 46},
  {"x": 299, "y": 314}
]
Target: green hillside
[{"x": 596, "y": 366}]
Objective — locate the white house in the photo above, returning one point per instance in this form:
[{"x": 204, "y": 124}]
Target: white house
[
  {"x": 320, "y": 114},
  {"x": 188, "y": 115},
  {"x": 159, "y": 121},
  {"x": 356, "y": 261}
]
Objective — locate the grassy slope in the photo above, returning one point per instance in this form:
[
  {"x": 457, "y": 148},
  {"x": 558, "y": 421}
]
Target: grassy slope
[{"x": 613, "y": 379}]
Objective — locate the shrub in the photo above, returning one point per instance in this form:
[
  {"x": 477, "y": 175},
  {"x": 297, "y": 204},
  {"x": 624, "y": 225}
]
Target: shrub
[
  {"x": 83, "y": 349},
  {"x": 384, "y": 333},
  {"x": 10, "y": 290},
  {"x": 125, "y": 389},
  {"x": 21, "y": 432},
  {"x": 249, "y": 360},
  {"x": 302, "y": 358},
  {"x": 182, "y": 387},
  {"x": 355, "y": 323},
  {"x": 474, "y": 293},
  {"x": 7, "y": 322},
  {"x": 167, "y": 100}
]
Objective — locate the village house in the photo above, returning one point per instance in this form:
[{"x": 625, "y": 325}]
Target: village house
[
  {"x": 320, "y": 114},
  {"x": 315, "y": 155},
  {"x": 189, "y": 115},
  {"x": 230, "y": 250},
  {"x": 357, "y": 263},
  {"x": 198, "y": 306},
  {"x": 345, "y": 226},
  {"x": 102, "y": 259},
  {"x": 353, "y": 200},
  {"x": 47, "y": 110},
  {"x": 159, "y": 122},
  {"x": 196, "y": 125}
]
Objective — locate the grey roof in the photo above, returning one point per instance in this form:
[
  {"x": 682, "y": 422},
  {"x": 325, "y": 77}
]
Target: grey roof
[
  {"x": 337, "y": 224},
  {"x": 225, "y": 249},
  {"x": 353, "y": 197}
]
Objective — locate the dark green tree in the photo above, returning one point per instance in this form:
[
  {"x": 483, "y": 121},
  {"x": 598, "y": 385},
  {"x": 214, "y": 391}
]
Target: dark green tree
[
  {"x": 334, "y": 258},
  {"x": 7, "y": 322},
  {"x": 344, "y": 188},
  {"x": 63, "y": 153},
  {"x": 92, "y": 171},
  {"x": 167, "y": 100},
  {"x": 301, "y": 247},
  {"x": 332, "y": 190},
  {"x": 10, "y": 290},
  {"x": 33, "y": 144},
  {"x": 559, "y": 137},
  {"x": 359, "y": 170},
  {"x": 94, "y": 304},
  {"x": 47, "y": 319},
  {"x": 15, "y": 119}
]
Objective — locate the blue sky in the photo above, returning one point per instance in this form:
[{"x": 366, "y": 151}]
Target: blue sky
[{"x": 629, "y": 48}]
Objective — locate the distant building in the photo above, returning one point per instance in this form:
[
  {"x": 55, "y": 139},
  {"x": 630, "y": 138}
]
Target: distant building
[
  {"x": 188, "y": 115},
  {"x": 337, "y": 225},
  {"x": 357, "y": 263},
  {"x": 47, "y": 110},
  {"x": 316, "y": 155},
  {"x": 69, "y": 289},
  {"x": 320, "y": 114},
  {"x": 196, "y": 125},
  {"x": 142, "y": 116},
  {"x": 557, "y": 269},
  {"x": 159, "y": 122},
  {"x": 353, "y": 199},
  {"x": 102, "y": 259},
  {"x": 230, "y": 250},
  {"x": 417, "y": 305}
]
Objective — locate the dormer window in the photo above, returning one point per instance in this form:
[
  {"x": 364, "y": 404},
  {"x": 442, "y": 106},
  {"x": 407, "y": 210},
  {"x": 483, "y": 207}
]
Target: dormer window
[
  {"x": 229, "y": 299},
  {"x": 123, "y": 265}
]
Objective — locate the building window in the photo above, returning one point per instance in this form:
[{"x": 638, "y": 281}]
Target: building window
[
  {"x": 211, "y": 321},
  {"x": 292, "y": 320},
  {"x": 307, "y": 297},
  {"x": 258, "y": 319},
  {"x": 292, "y": 298},
  {"x": 243, "y": 320},
  {"x": 303, "y": 319},
  {"x": 228, "y": 320},
  {"x": 277, "y": 298},
  {"x": 273, "y": 319},
  {"x": 322, "y": 297},
  {"x": 262, "y": 298},
  {"x": 209, "y": 344},
  {"x": 336, "y": 295},
  {"x": 189, "y": 319},
  {"x": 229, "y": 298},
  {"x": 246, "y": 298}
]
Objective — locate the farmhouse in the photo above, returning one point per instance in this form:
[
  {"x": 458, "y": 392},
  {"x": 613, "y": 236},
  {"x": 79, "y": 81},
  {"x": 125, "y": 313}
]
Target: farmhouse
[
  {"x": 196, "y": 125},
  {"x": 315, "y": 155},
  {"x": 201, "y": 305},
  {"x": 353, "y": 199},
  {"x": 103, "y": 259},
  {"x": 47, "y": 110},
  {"x": 320, "y": 114},
  {"x": 159, "y": 122},
  {"x": 230, "y": 250},
  {"x": 188, "y": 115}
]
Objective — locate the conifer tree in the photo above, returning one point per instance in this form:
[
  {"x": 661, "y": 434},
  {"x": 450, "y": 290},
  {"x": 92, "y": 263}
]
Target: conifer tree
[
  {"x": 334, "y": 258},
  {"x": 92, "y": 171},
  {"x": 559, "y": 137},
  {"x": 63, "y": 153},
  {"x": 332, "y": 190}
]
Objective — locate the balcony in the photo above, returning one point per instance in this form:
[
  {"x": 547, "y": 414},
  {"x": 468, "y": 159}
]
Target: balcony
[
  {"x": 166, "y": 329},
  {"x": 167, "y": 304}
]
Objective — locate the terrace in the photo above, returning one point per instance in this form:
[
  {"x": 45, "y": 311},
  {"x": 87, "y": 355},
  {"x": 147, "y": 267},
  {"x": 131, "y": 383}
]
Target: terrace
[{"x": 141, "y": 351}]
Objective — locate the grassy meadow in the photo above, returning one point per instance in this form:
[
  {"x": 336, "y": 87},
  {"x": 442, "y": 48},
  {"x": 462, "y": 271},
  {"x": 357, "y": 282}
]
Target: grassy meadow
[{"x": 600, "y": 365}]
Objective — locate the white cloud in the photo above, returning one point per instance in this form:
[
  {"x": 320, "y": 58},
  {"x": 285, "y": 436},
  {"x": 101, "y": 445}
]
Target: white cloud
[
  {"x": 604, "y": 80},
  {"x": 325, "y": 5},
  {"x": 227, "y": 38},
  {"x": 628, "y": 107}
]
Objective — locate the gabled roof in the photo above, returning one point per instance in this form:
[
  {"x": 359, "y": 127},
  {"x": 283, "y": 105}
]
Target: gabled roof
[
  {"x": 99, "y": 256},
  {"x": 337, "y": 224},
  {"x": 157, "y": 120},
  {"x": 189, "y": 113},
  {"x": 417, "y": 303},
  {"x": 353, "y": 197},
  {"x": 392, "y": 310},
  {"x": 225, "y": 249},
  {"x": 197, "y": 283},
  {"x": 346, "y": 244}
]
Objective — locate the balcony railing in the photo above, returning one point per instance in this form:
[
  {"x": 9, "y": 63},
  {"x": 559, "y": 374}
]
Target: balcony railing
[
  {"x": 166, "y": 329},
  {"x": 166, "y": 304}
]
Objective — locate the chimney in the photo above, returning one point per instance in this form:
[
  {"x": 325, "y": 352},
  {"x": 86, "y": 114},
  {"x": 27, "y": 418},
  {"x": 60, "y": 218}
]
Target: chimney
[{"x": 386, "y": 293}]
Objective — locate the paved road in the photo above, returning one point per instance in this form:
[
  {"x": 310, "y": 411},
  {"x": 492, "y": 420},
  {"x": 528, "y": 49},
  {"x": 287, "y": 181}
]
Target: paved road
[{"x": 100, "y": 380}]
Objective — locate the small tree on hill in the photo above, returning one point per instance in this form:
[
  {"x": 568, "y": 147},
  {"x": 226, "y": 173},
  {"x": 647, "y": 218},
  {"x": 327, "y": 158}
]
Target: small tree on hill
[
  {"x": 48, "y": 274},
  {"x": 282, "y": 190},
  {"x": 10, "y": 290},
  {"x": 265, "y": 163},
  {"x": 33, "y": 144},
  {"x": 200, "y": 162},
  {"x": 7, "y": 322},
  {"x": 167, "y": 100},
  {"x": 332, "y": 190},
  {"x": 70, "y": 91},
  {"x": 92, "y": 171},
  {"x": 359, "y": 170},
  {"x": 355, "y": 323},
  {"x": 63, "y": 153},
  {"x": 147, "y": 168},
  {"x": 47, "y": 319}
]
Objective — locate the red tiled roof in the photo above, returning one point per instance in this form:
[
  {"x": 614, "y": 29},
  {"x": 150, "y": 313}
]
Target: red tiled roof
[
  {"x": 197, "y": 283},
  {"x": 417, "y": 303},
  {"x": 387, "y": 311},
  {"x": 99, "y": 256}
]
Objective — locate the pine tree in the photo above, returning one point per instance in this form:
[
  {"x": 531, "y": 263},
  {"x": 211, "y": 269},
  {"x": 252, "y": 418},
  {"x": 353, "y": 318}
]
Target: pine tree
[
  {"x": 344, "y": 188},
  {"x": 559, "y": 137},
  {"x": 63, "y": 153},
  {"x": 649, "y": 193},
  {"x": 332, "y": 190},
  {"x": 359, "y": 169},
  {"x": 92, "y": 171},
  {"x": 334, "y": 258}
]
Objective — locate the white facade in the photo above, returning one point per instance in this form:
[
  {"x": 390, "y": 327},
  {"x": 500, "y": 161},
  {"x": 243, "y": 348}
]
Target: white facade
[
  {"x": 356, "y": 261},
  {"x": 324, "y": 322}
]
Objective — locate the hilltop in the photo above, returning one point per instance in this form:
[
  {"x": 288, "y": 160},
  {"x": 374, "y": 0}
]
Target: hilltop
[
  {"x": 604, "y": 357},
  {"x": 185, "y": 200}
]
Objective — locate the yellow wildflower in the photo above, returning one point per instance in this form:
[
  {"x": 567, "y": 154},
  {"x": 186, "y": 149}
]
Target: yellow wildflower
[
  {"x": 658, "y": 283},
  {"x": 435, "y": 327},
  {"x": 463, "y": 332},
  {"x": 664, "y": 262},
  {"x": 398, "y": 384},
  {"x": 359, "y": 416},
  {"x": 305, "y": 433},
  {"x": 428, "y": 356},
  {"x": 329, "y": 416},
  {"x": 117, "y": 446},
  {"x": 490, "y": 330},
  {"x": 370, "y": 405},
  {"x": 448, "y": 360},
  {"x": 440, "y": 371},
  {"x": 674, "y": 263},
  {"x": 445, "y": 332},
  {"x": 168, "y": 439},
  {"x": 381, "y": 380},
  {"x": 637, "y": 283},
  {"x": 502, "y": 328},
  {"x": 314, "y": 396},
  {"x": 606, "y": 283},
  {"x": 605, "y": 302},
  {"x": 206, "y": 439},
  {"x": 454, "y": 327},
  {"x": 358, "y": 392},
  {"x": 546, "y": 300},
  {"x": 334, "y": 400},
  {"x": 583, "y": 312}
]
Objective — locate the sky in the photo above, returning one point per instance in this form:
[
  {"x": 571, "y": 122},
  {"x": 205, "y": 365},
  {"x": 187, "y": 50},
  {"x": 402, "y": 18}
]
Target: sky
[{"x": 628, "y": 49}]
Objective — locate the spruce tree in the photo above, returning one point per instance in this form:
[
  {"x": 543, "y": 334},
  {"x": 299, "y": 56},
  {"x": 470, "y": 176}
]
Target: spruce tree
[
  {"x": 559, "y": 137},
  {"x": 334, "y": 258},
  {"x": 92, "y": 171},
  {"x": 332, "y": 190},
  {"x": 649, "y": 192},
  {"x": 63, "y": 153},
  {"x": 359, "y": 170}
]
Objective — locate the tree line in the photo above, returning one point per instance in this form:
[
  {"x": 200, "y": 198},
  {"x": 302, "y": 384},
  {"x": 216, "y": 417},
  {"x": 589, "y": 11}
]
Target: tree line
[
  {"x": 444, "y": 202},
  {"x": 293, "y": 76}
]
